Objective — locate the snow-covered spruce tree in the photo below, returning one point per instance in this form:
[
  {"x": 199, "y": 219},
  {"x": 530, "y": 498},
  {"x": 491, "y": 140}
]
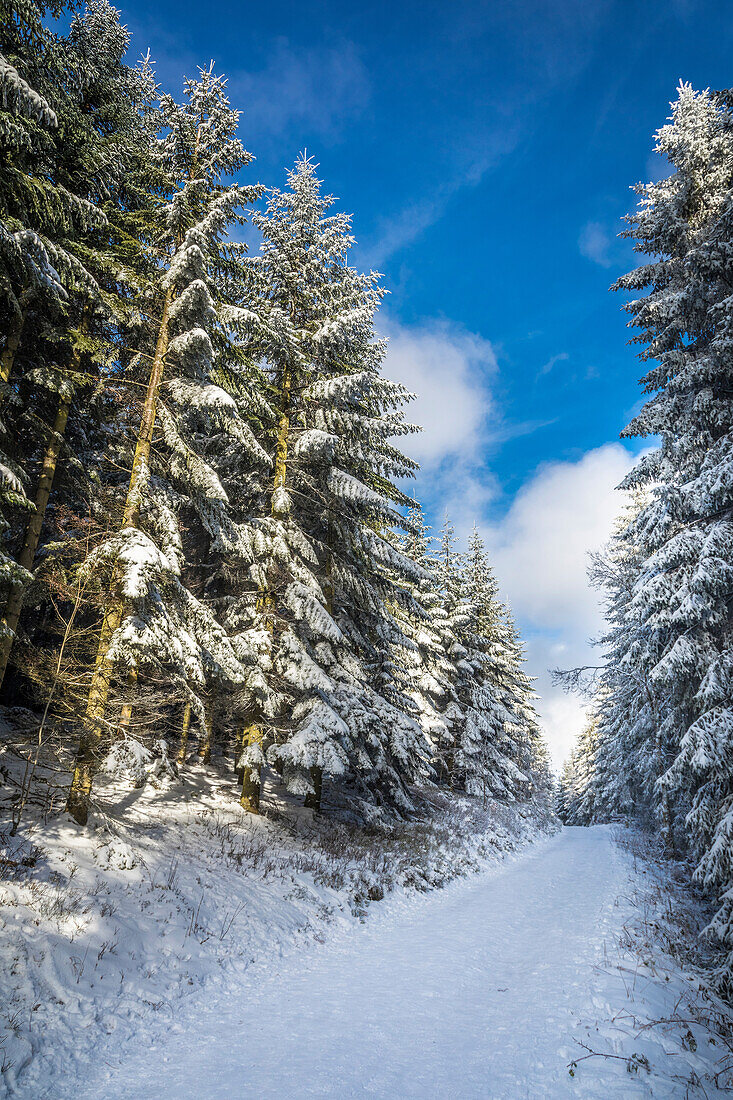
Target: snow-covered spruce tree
[
  {"x": 219, "y": 541},
  {"x": 41, "y": 210},
  {"x": 153, "y": 625},
  {"x": 325, "y": 570},
  {"x": 453, "y": 616},
  {"x": 495, "y": 692},
  {"x": 511, "y": 682},
  {"x": 32, "y": 206},
  {"x": 427, "y": 672},
  {"x": 684, "y": 224},
  {"x": 576, "y": 802},
  {"x": 37, "y": 216},
  {"x": 629, "y": 755},
  {"x": 565, "y": 786},
  {"x": 543, "y": 784},
  {"x": 562, "y": 792},
  {"x": 69, "y": 358}
]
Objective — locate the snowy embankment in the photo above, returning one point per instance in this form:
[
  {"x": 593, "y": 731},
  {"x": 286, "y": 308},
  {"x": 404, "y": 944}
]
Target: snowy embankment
[
  {"x": 543, "y": 977},
  {"x": 533, "y": 979},
  {"x": 176, "y": 896}
]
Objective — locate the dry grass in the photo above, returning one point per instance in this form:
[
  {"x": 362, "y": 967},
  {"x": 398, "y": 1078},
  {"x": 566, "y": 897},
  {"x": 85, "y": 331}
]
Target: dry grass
[{"x": 661, "y": 942}]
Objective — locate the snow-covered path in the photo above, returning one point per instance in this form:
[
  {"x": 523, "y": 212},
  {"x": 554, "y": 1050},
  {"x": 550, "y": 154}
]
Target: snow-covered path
[{"x": 475, "y": 991}]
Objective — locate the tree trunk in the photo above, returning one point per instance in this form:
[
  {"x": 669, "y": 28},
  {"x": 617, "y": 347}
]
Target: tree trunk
[
  {"x": 131, "y": 517},
  {"x": 238, "y": 746},
  {"x": 185, "y": 727},
  {"x": 253, "y": 734},
  {"x": 265, "y": 599},
  {"x": 89, "y": 741},
  {"x": 81, "y": 783},
  {"x": 27, "y": 555},
  {"x": 208, "y": 738},
  {"x": 667, "y": 827},
  {"x": 11, "y": 346},
  {"x": 283, "y": 433},
  {"x": 665, "y": 808},
  {"x": 313, "y": 801},
  {"x": 126, "y": 712},
  {"x": 251, "y": 776},
  {"x": 87, "y": 757}
]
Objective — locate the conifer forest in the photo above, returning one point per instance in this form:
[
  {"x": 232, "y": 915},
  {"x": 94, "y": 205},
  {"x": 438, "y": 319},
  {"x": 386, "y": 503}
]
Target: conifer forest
[{"x": 250, "y": 687}]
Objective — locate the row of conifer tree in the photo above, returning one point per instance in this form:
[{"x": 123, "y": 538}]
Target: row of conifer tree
[
  {"x": 659, "y": 744},
  {"x": 205, "y": 547}
]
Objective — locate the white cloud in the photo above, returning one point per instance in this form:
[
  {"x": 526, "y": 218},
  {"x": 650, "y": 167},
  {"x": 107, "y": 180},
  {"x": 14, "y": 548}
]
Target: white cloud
[
  {"x": 563, "y": 718},
  {"x": 562, "y": 715},
  {"x": 540, "y": 554},
  {"x": 449, "y": 370},
  {"x": 540, "y": 548}
]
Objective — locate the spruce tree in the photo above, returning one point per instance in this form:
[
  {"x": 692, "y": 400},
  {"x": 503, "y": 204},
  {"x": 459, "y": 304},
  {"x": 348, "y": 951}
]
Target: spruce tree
[
  {"x": 69, "y": 359},
  {"x": 427, "y": 673},
  {"x": 39, "y": 213},
  {"x": 659, "y": 748},
  {"x": 495, "y": 718},
  {"x": 455, "y": 617},
  {"x": 630, "y": 757},
  {"x": 577, "y": 803},
  {"x": 683, "y": 595},
  {"x": 153, "y": 623},
  {"x": 327, "y": 570}
]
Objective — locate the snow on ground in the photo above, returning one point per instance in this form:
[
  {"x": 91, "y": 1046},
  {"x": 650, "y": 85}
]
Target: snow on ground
[
  {"x": 494, "y": 987},
  {"x": 176, "y": 900},
  {"x": 181, "y": 949}
]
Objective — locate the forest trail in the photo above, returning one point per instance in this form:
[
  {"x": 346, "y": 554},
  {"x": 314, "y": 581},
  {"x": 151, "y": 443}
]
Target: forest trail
[{"x": 475, "y": 991}]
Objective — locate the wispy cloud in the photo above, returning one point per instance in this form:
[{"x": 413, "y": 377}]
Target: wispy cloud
[
  {"x": 558, "y": 44},
  {"x": 397, "y": 231},
  {"x": 595, "y": 243},
  {"x": 316, "y": 90},
  {"x": 505, "y": 430},
  {"x": 552, "y": 362}
]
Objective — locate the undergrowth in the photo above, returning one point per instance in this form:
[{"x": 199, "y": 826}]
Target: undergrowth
[{"x": 662, "y": 942}]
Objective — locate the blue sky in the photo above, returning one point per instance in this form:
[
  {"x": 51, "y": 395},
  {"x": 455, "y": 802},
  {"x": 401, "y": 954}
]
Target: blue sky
[{"x": 486, "y": 151}]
